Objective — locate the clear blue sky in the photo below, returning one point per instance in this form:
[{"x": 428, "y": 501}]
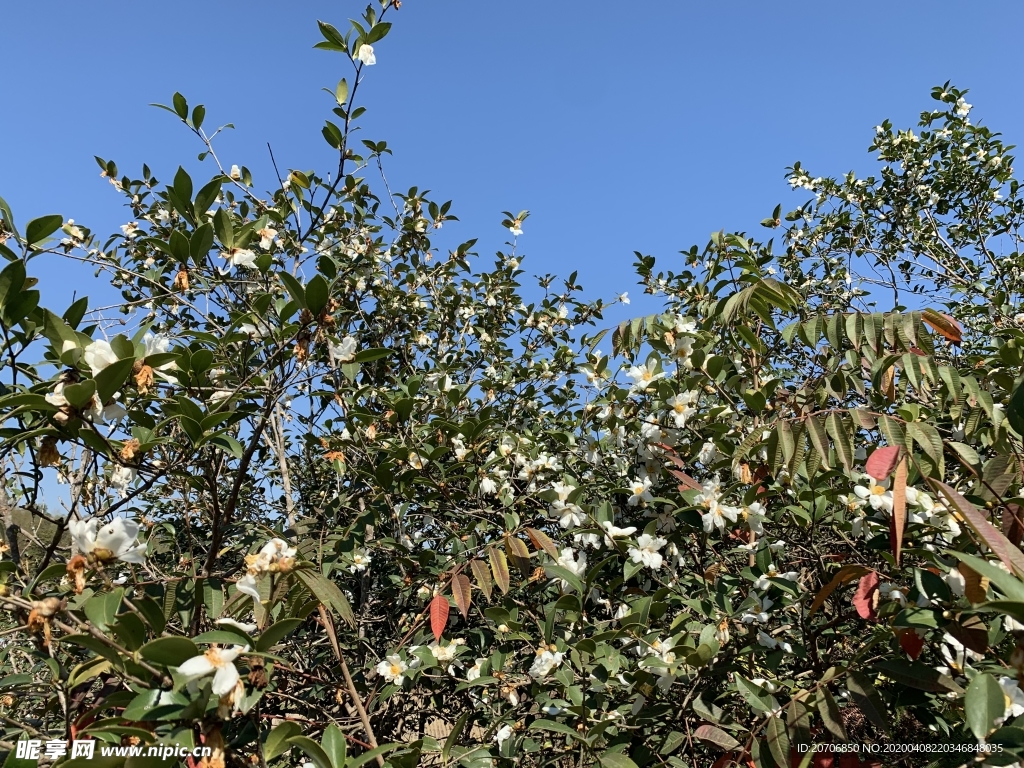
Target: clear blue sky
[{"x": 621, "y": 126}]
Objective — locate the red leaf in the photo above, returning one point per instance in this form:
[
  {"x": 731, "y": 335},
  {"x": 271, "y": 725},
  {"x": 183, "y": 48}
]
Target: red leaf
[
  {"x": 439, "y": 608},
  {"x": 898, "y": 519},
  {"x": 911, "y": 642},
  {"x": 865, "y": 599},
  {"x": 882, "y": 461},
  {"x": 943, "y": 324},
  {"x": 462, "y": 591}
]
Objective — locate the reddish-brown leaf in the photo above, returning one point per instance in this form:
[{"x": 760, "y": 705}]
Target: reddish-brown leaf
[
  {"x": 1013, "y": 523},
  {"x": 499, "y": 566},
  {"x": 866, "y": 599},
  {"x": 843, "y": 575},
  {"x": 542, "y": 542},
  {"x": 898, "y": 520},
  {"x": 882, "y": 461},
  {"x": 911, "y": 642},
  {"x": 944, "y": 325},
  {"x": 439, "y": 608},
  {"x": 518, "y": 554},
  {"x": 482, "y": 574},
  {"x": 686, "y": 482},
  {"x": 462, "y": 591}
]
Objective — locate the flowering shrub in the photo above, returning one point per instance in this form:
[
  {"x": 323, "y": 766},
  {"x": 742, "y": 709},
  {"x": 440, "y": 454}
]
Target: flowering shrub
[{"x": 340, "y": 496}]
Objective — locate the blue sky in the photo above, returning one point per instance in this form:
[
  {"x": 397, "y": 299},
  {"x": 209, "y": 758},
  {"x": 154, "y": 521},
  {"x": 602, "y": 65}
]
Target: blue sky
[{"x": 620, "y": 126}]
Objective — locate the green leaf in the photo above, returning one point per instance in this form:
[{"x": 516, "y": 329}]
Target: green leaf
[
  {"x": 80, "y": 394},
  {"x": 112, "y": 378},
  {"x": 867, "y": 699},
  {"x": 542, "y": 724},
  {"x": 341, "y": 92},
  {"x": 273, "y": 634},
  {"x": 276, "y": 743},
  {"x": 778, "y": 740},
  {"x": 830, "y": 714},
  {"x": 198, "y": 115},
  {"x": 312, "y": 749},
  {"x": 294, "y": 288},
  {"x": 616, "y": 760},
  {"x": 12, "y": 278},
  {"x": 1015, "y": 410},
  {"x": 223, "y": 227},
  {"x": 169, "y": 651},
  {"x": 983, "y": 703},
  {"x": 180, "y": 105},
  {"x": 327, "y": 592},
  {"x": 334, "y": 745},
  {"x": 914, "y": 674},
  {"x": 716, "y": 736},
  {"x": 367, "y": 355},
  {"x": 317, "y": 294},
  {"x": 43, "y": 227},
  {"x": 373, "y": 753}
]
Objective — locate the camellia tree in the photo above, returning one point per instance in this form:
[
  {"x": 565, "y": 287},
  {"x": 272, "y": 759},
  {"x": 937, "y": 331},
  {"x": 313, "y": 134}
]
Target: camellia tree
[{"x": 335, "y": 496}]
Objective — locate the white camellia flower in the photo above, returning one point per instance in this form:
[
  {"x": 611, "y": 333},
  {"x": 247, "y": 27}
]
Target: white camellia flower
[
  {"x": 345, "y": 350},
  {"x": 770, "y": 642},
  {"x": 613, "y": 532},
  {"x": 753, "y": 516},
  {"x": 640, "y": 489},
  {"x": 99, "y": 355},
  {"x": 544, "y": 663},
  {"x": 875, "y": 495},
  {"x": 239, "y": 257},
  {"x": 962, "y": 107},
  {"x": 646, "y": 551},
  {"x": 122, "y": 477},
  {"x": 444, "y": 652},
  {"x": 516, "y": 229},
  {"x": 228, "y": 622},
  {"x": 365, "y": 55},
  {"x": 473, "y": 673},
  {"x": 717, "y": 515},
  {"x": 682, "y": 407},
  {"x": 360, "y": 560},
  {"x": 393, "y": 669},
  {"x": 275, "y": 556},
  {"x": 643, "y": 377},
  {"x": 116, "y": 540},
  {"x": 1014, "y": 697},
  {"x": 504, "y": 733},
  {"x": 267, "y": 235},
  {"x": 708, "y": 453},
  {"x": 130, "y": 229},
  {"x": 759, "y": 611},
  {"x": 577, "y": 565},
  {"x": 763, "y": 582},
  {"x": 218, "y": 662}
]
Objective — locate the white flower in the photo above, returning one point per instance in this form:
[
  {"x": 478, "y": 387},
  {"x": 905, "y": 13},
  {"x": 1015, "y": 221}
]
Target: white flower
[
  {"x": 643, "y": 377},
  {"x": 717, "y": 515},
  {"x": 415, "y": 460},
  {"x": 612, "y": 532},
  {"x": 545, "y": 662},
  {"x": 646, "y": 551},
  {"x": 130, "y": 229},
  {"x": 708, "y": 453},
  {"x": 216, "y": 661},
  {"x": 239, "y": 257},
  {"x": 640, "y": 490},
  {"x": 276, "y": 555},
  {"x": 516, "y": 229},
  {"x": 227, "y": 622},
  {"x": 121, "y": 478},
  {"x": 888, "y": 591},
  {"x": 99, "y": 355},
  {"x": 1014, "y": 697},
  {"x": 682, "y": 407},
  {"x": 759, "y": 611},
  {"x": 344, "y": 351},
  {"x": 763, "y": 582},
  {"x": 876, "y": 495},
  {"x": 267, "y": 235},
  {"x": 956, "y": 582},
  {"x": 488, "y": 487},
  {"x": 444, "y": 652},
  {"x": 116, "y": 540},
  {"x": 770, "y": 642},
  {"x": 504, "y": 733},
  {"x": 365, "y": 55},
  {"x": 473, "y": 673},
  {"x": 393, "y": 669},
  {"x": 235, "y": 172},
  {"x": 624, "y": 297},
  {"x": 575, "y": 565},
  {"x": 962, "y": 107},
  {"x": 753, "y": 516},
  {"x": 360, "y": 560}
]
